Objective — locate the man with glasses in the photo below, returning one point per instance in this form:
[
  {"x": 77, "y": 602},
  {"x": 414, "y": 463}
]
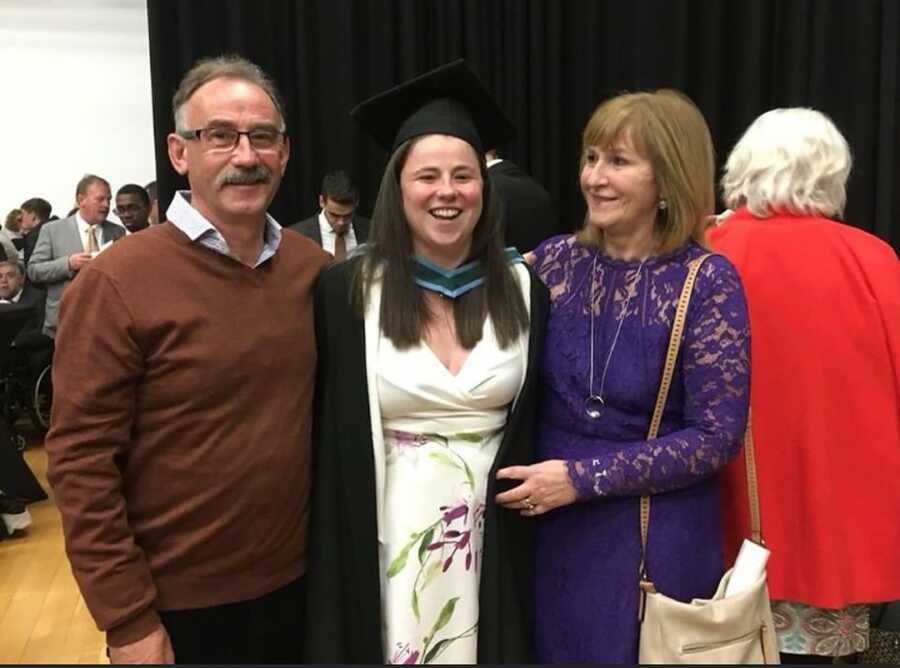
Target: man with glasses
[
  {"x": 336, "y": 228},
  {"x": 133, "y": 207},
  {"x": 64, "y": 247},
  {"x": 179, "y": 448}
]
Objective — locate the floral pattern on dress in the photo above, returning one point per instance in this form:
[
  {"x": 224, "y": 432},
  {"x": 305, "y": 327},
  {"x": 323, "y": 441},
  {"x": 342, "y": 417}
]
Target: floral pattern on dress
[
  {"x": 804, "y": 629},
  {"x": 438, "y": 546}
]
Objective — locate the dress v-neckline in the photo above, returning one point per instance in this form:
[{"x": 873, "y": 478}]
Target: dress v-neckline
[{"x": 462, "y": 367}]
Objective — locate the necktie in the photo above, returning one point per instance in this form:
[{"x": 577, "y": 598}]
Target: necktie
[
  {"x": 92, "y": 240},
  {"x": 340, "y": 247}
]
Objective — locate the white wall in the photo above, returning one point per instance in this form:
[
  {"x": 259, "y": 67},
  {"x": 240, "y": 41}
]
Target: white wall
[{"x": 74, "y": 98}]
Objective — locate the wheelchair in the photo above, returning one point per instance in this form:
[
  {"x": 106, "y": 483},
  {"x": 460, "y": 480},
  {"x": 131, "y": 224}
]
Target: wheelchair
[{"x": 26, "y": 386}]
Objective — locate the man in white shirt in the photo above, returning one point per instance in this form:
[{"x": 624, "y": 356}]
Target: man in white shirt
[
  {"x": 336, "y": 228},
  {"x": 17, "y": 296},
  {"x": 133, "y": 207},
  {"x": 65, "y": 246},
  {"x": 12, "y": 280}
]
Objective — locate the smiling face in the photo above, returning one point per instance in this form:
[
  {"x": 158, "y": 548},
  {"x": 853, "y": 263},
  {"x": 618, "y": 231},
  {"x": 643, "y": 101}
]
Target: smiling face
[
  {"x": 619, "y": 189},
  {"x": 442, "y": 197},
  {"x": 231, "y": 185}
]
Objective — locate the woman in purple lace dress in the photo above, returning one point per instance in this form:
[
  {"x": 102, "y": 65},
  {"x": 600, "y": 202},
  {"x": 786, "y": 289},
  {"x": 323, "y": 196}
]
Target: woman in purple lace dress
[{"x": 647, "y": 179}]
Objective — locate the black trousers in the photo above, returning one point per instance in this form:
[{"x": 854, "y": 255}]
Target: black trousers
[{"x": 268, "y": 629}]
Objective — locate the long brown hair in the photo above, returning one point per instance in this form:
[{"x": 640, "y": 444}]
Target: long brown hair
[{"x": 405, "y": 312}]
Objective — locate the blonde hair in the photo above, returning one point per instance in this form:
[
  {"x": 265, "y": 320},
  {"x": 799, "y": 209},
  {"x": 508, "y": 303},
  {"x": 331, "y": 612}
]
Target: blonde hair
[
  {"x": 794, "y": 159},
  {"x": 668, "y": 130}
]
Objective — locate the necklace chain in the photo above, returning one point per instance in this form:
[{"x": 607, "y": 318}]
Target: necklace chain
[{"x": 594, "y": 404}]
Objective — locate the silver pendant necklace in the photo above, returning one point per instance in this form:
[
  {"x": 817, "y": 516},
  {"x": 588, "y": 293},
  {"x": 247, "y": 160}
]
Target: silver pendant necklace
[{"x": 594, "y": 405}]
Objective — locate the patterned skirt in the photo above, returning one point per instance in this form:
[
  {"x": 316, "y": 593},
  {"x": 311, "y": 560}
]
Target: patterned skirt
[{"x": 803, "y": 629}]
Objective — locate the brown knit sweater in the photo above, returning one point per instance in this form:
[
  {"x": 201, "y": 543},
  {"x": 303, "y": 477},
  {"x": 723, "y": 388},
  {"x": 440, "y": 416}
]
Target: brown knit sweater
[{"x": 179, "y": 447}]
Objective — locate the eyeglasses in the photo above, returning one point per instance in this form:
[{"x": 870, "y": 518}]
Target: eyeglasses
[{"x": 226, "y": 139}]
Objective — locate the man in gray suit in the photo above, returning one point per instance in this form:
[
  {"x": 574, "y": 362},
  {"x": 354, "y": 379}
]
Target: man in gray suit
[{"x": 65, "y": 246}]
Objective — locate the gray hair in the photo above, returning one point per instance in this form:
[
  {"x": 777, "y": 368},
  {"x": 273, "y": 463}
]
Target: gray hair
[
  {"x": 793, "y": 159},
  {"x": 231, "y": 66},
  {"x": 16, "y": 265}
]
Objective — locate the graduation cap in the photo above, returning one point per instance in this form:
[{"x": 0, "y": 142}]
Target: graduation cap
[{"x": 448, "y": 100}]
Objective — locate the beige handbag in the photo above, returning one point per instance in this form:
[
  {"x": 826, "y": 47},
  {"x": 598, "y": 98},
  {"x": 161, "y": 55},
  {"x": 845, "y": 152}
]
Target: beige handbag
[{"x": 737, "y": 629}]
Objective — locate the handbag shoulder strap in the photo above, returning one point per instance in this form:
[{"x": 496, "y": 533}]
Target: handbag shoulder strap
[
  {"x": 664, "y": 384},
  {"x": 752, "y": 489},
  {"x": 662, "y": 395}
]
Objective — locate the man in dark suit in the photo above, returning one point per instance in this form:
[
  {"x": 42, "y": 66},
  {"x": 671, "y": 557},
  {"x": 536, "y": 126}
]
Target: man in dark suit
[
  {"x": 65, "y": 246},
  {"x": 133, "y": 207},
  {"x": 14, "y": 291},
  {"x": 336, "y": 227},
  {"x": 16, "y": 296},
  {"x": 154, "y": 202},
  {"x": 528, "y": 212},
  {"x": 35, "y": 212}
]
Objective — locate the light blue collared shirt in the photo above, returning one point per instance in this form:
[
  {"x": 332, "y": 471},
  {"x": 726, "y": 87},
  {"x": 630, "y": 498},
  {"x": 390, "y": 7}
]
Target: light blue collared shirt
[{"x": 190, "y": 221}]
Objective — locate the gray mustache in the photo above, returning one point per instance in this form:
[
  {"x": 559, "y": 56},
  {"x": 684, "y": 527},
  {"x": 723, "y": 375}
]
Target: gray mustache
[{"x": 245, "y": 177}]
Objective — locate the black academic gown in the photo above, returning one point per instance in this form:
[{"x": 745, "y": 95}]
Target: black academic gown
[
  {"x": 16, "y": 479},
  {"x": 344, "y": 605}
]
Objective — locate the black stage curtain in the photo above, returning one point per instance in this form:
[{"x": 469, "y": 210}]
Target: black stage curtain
[{"x": 549, "y": 64}]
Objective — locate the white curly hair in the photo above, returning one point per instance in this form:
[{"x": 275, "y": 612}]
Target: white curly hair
[{"x": 789, "y": 159}]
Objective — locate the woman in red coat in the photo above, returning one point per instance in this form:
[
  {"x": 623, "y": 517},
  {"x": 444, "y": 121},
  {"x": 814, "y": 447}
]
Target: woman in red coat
[{"x": 824, "y": 303}]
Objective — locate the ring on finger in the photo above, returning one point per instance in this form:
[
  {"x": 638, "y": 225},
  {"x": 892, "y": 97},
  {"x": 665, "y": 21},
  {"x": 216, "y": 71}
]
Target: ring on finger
[{"x": 529, "y": 504}]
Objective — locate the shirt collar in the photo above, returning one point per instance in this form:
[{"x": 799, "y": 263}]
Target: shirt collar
[
  {"x": 324, "y": 226},
  {"x": 198, "y": 229},
  {"x": 327, "y": 230},
  {"x": 83, "y": 225}
]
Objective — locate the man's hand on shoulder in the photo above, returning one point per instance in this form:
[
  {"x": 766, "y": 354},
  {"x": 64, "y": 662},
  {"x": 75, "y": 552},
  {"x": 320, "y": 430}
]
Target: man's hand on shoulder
[
  {"x": 155, "y": 648},
  {"x": 78, "y": 260}
]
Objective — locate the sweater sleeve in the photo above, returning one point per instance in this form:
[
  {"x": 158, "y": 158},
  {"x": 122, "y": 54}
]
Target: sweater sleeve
[
  {"x": 715, "y": 362},
  {"x": 96, "y": 369}
]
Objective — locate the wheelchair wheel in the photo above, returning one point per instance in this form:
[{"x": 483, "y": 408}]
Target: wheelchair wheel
[{"x": 41, "y": 400}]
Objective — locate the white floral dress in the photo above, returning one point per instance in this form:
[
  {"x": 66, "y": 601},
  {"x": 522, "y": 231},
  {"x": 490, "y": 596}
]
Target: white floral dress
[{"x": 441, "y": 435}]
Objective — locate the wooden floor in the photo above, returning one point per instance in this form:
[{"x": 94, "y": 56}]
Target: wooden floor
[{"x": 42, "y": 616}]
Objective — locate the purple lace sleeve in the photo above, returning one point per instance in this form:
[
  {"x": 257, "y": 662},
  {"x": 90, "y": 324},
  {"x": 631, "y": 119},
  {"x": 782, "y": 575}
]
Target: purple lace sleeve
[
  {"x": 541, "y": 253},
  {"x": 716, "y": 373}
]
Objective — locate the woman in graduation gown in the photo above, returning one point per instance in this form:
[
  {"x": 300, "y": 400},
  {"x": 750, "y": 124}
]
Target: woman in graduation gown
[{"x": 426, "y": 387}]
